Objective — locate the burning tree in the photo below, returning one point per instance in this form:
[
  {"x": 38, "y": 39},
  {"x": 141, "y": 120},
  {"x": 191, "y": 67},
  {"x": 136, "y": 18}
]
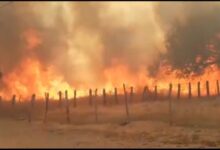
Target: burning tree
[{"x": 192, "y": 43}]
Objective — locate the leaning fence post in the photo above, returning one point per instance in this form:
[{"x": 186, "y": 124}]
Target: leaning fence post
[
  {"x": 90, "y": 96},
  {"x": 131, "y": 93},
  {"x": 13, "y": 100},
  {"x": 126, "y": 103},
  {"x": 46, "y": 106},
  {"x": 178, "y": 90},
  {"x": 199, "y": 90},
  {"x": 207, "y": 88},
  {"x": 190, "y": 91},
  {"x": 67, "y": 107},
  {"x": 74, "y": 99},
  {"x": 116, "y": 96},
  {"x": 218, "y": 91},
  {"x": 96, "y": 106},
  {"x": 104, "y": 97}
]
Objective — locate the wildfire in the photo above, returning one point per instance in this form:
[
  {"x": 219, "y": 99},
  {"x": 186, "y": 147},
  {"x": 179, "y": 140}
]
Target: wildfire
[
  {"x": 120, "y": 74},
  {"x": 32, "y": 77}
]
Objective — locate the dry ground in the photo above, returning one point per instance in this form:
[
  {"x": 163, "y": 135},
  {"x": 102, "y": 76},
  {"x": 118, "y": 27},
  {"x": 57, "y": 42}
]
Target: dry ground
[{"x": 196, "y": 124}]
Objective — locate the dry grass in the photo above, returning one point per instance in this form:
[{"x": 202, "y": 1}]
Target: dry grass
[{"x": 196, "y": 124}]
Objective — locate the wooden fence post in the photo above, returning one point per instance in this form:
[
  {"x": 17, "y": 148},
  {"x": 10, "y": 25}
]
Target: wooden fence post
[
  {"x": 46, "y": 106},
  {"x": 144, "y": 93},
  {"x": 90, "y": 97},
  {"x": 96, "y": 106},
  {"x": 218, "y": 90},
  {"x": 32, "y": 101},
  {"x": 207, "y": 88},
  {"x": 67, "y": 107},
  {"x": 155, "y": 92},
  {"x": 190, "y": 91},
  {"x": 0, "y": 100},
  {"x": 178, "y": 91},
  {"x": 170, "y": 90},
  {"x": 170, "y": 109},
  {"x": 131, "y": 93},
  {"x": 74, "y": 99},
  {"x": 104, "y": 97},
  {"x": 13, "y": 100},
  {"x": 126, "y": 103},
  {"x": 60, "y": 98},
  {"x": 116, "y": 96},
  {"x": 33, "y": 97},
  {"x": 199, "y": 90}
]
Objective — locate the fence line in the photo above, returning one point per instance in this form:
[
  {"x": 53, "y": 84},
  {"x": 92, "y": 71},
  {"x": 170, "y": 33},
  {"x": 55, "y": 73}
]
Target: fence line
[{"x": 94, "y": 99}]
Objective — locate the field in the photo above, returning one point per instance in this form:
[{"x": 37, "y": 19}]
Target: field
[{"x": 195, "y": 123}]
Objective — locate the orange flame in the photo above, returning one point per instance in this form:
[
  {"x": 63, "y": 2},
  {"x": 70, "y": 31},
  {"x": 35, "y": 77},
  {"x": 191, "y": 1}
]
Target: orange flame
[{"x": 32, "y": 77}]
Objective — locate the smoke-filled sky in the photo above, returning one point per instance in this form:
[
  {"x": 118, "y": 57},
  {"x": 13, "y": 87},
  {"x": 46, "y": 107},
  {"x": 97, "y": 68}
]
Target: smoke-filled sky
[{"x": 83, "y": 39}]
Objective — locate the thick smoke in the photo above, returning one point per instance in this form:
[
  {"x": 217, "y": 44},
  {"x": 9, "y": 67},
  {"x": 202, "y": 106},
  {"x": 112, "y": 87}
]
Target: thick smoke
[
  {"x": 124, "y": 38},
  {"x": 15, "y": 21},
  {"x": 191, "y": 34},
  {"x": 79, "y": 40}
]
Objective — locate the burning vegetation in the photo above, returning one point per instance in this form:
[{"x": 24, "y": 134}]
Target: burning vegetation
[{"x": 77, "y": 46}]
